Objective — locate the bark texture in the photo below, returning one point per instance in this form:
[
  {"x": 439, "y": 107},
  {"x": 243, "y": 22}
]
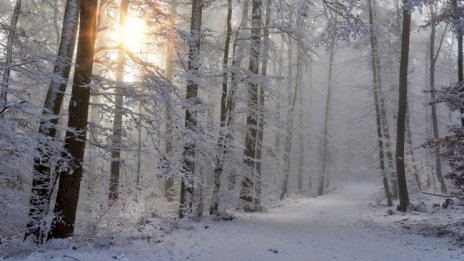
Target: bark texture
[
  {"x": 186, "y": 189},
  {"x": 42, "y": 181},
  {"x": 118, "y": 105},
  {"x": 9, "y": 53},
  {"x": 247, "y": 192},
  {"x": 401, "y": 119},
  {"x": 70, "y": 172}
]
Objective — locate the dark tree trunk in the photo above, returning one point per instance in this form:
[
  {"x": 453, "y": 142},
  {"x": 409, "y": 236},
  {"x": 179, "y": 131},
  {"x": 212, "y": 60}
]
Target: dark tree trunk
[
  {"x": 248, "y": 187},
  {"x": 42, "y": 183},
  {"x": 70, "y": 173},
  {"x": 460, "y": 58},
  {"x": 401, "y": 119},
  {"x": 186, "y": 189}
]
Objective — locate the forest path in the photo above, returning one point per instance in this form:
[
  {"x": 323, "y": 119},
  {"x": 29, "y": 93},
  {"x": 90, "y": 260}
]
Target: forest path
[
  {"x": 330, "y": 227},
  {"x": 334, "y": 226}
]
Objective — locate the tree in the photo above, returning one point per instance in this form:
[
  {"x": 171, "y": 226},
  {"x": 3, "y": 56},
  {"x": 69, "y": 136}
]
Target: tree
[
  {"x": 248, "y": 186},
  {"x": 433, "y": 56},
  {"x": 402, "y": 103},
  {"x": 170, "y": 52},
  {"x": 70, "y": 170},
  {"x": 186, "y": 190},
  {"x": 323, "y": 178},
  {"x": 375, "y": 84},
  {"x": 119, "y": 103},
  {"x": 42, "y": 182},
  {"x": 222, "y": 142},
  {"x": 459, "y": 10},
  {"x": 9, "y": 54}
]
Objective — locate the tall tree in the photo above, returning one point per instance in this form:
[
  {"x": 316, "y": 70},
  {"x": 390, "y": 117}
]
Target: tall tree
[
  {"x": 170, "y": 52},
  {"x": 324, "y": 175},
  {"x": 118, "y": 103},
  {"x": 222, "y": 142},
  {"x": 248, "y": 186},
  {"x": 376, "y": 87},
  {"x": 9, "y": 54},
  {"x": 287, "y": 148},
  {"x": 186, "y": 189},
  {"x": 299, "y": 74},
  {"x": 42, "y": 185},
  {"x": 70, "y": 171},
  {"x": 289, "y": 126},
  {"x": 459, "y": 32},
  {"x": 238, "y": 55},
  {"x": 433, "y": 56},
  {"x": 402, "y": 103},
  {"x": 259, "y": 142}
]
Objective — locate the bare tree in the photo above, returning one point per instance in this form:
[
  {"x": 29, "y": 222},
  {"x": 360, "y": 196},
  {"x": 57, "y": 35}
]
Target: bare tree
[
  {"x": 186, "y": 189},
  {"x": 9, "y": 54},
  {"x": 222, "y": 142},
  {"x": 433, "y": 56},
  {"x": 323, "y": 178},
  {"x": 70, "y": 170},
  {"x": 118, "y": 103},
  {"x": 248, "y": 186},
  {"x": 402, "y": 103},
  {"x": 376, "y": 87},
  {"x": 42, "y": 183},
  {"x": 170, "y": 52}
]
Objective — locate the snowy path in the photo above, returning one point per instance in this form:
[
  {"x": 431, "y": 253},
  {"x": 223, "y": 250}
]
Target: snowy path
[{"x": 330, "y": 227}]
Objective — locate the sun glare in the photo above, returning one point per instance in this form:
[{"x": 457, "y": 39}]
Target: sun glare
[{"x": 134, "y": 34}]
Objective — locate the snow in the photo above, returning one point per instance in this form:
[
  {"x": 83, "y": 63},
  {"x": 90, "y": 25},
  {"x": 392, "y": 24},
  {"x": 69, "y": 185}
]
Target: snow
[{"x": 340, "y": 225}]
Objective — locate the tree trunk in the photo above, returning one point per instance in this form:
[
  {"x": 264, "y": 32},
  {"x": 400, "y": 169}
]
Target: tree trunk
[
  {"x": 42, "y": 185},
  {"x": 401, "y": 119},
  {"x": 460, "y": 71},
  {"x": 376, "y": 87},
  {"x": 324, "y": 175},
  {"x": 433, "y": 58},
  {"x": 222, "y": 142},
  {"x": 289, "y": 120},
  {"x": 248, "y": 187},
  {"x": 460, "y": 58},
  {"x": 9, "y": 54},
  {"x": 390, "y": 166},
  {"x": 170, "y": 52},
  {"x": 289, "y": 136},
  {"x": 71, "y": 172},
  {"x": 299, "y": 73},
  {"x": 278, "y": 109},
  {"x": 139, "y": 148},
  {"x": 310, "y": 73},
  {"x": 262, "y": 95},
  {"x": 410, "y": 149},
  {"x": 237, "y": 58},
  {"x": 118, "y": 105},
  {"x": 186, "y": 189}
]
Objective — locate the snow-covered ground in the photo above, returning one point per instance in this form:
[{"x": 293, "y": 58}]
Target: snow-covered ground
[{"x": 340, "y": 225}]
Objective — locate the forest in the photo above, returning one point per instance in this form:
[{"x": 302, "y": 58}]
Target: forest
[{"x": 231, "y": 130}]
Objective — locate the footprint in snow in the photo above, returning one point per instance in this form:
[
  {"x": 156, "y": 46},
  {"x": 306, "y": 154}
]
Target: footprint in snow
[{"x": 272, "y": 250}]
